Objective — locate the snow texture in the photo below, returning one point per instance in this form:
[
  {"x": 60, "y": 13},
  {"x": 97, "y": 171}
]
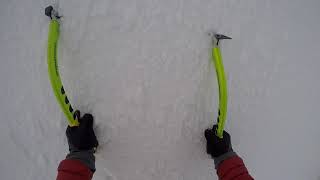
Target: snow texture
[{"x": 142, "y": 67}]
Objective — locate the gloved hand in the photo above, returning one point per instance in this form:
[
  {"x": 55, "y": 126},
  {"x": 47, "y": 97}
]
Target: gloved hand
[
  {"x": 82, "y": 137},
  {"x": 82, "y": 141},
  {"x": 219, "y": 148}
]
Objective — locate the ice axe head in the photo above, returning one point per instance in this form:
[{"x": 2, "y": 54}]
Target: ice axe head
[
  {"x": 50, "y": 12},
  {"x": 221, "y": 36}
]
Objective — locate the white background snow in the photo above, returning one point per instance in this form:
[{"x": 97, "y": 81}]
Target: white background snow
[{"x": 142, "y": 67}]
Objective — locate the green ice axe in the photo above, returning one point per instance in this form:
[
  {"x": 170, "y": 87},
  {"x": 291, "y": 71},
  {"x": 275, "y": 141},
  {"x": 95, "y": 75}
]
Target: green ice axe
[
  {"x": 71, "y": 115},
  {"x": 222, "y": 82}
]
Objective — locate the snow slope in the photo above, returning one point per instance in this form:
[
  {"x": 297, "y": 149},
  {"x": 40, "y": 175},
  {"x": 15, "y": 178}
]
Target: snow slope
[{"x": 142, "y": 68}]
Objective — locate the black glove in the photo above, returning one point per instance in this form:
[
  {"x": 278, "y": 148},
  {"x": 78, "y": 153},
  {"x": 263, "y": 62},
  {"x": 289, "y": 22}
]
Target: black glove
[
  {"x": 217, "y": 146},
  {"x": 82, "y": 137}
]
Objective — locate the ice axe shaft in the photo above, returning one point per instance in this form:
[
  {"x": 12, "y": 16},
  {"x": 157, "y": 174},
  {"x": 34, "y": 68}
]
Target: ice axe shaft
[
  {"x": 223, "y": 91},
  {"x": 53, "y": 71}
]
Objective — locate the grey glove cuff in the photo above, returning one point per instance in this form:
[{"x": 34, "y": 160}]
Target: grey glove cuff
[
  {"x": 223, "y": 157},
  {"x": 85, "y": 157}
]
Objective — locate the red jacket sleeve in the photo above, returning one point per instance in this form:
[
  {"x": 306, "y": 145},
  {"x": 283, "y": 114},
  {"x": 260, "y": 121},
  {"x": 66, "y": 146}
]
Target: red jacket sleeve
[
  {"x": 72, "y": 169},
  {"x": 233, "y": 168}
]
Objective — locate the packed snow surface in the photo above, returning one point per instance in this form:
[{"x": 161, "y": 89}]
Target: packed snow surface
[{"x": 142, "y": 68}]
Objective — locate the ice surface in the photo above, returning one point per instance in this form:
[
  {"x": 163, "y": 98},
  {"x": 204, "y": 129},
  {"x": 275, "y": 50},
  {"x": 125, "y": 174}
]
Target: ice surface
[{"x": 142, "y": 67}]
